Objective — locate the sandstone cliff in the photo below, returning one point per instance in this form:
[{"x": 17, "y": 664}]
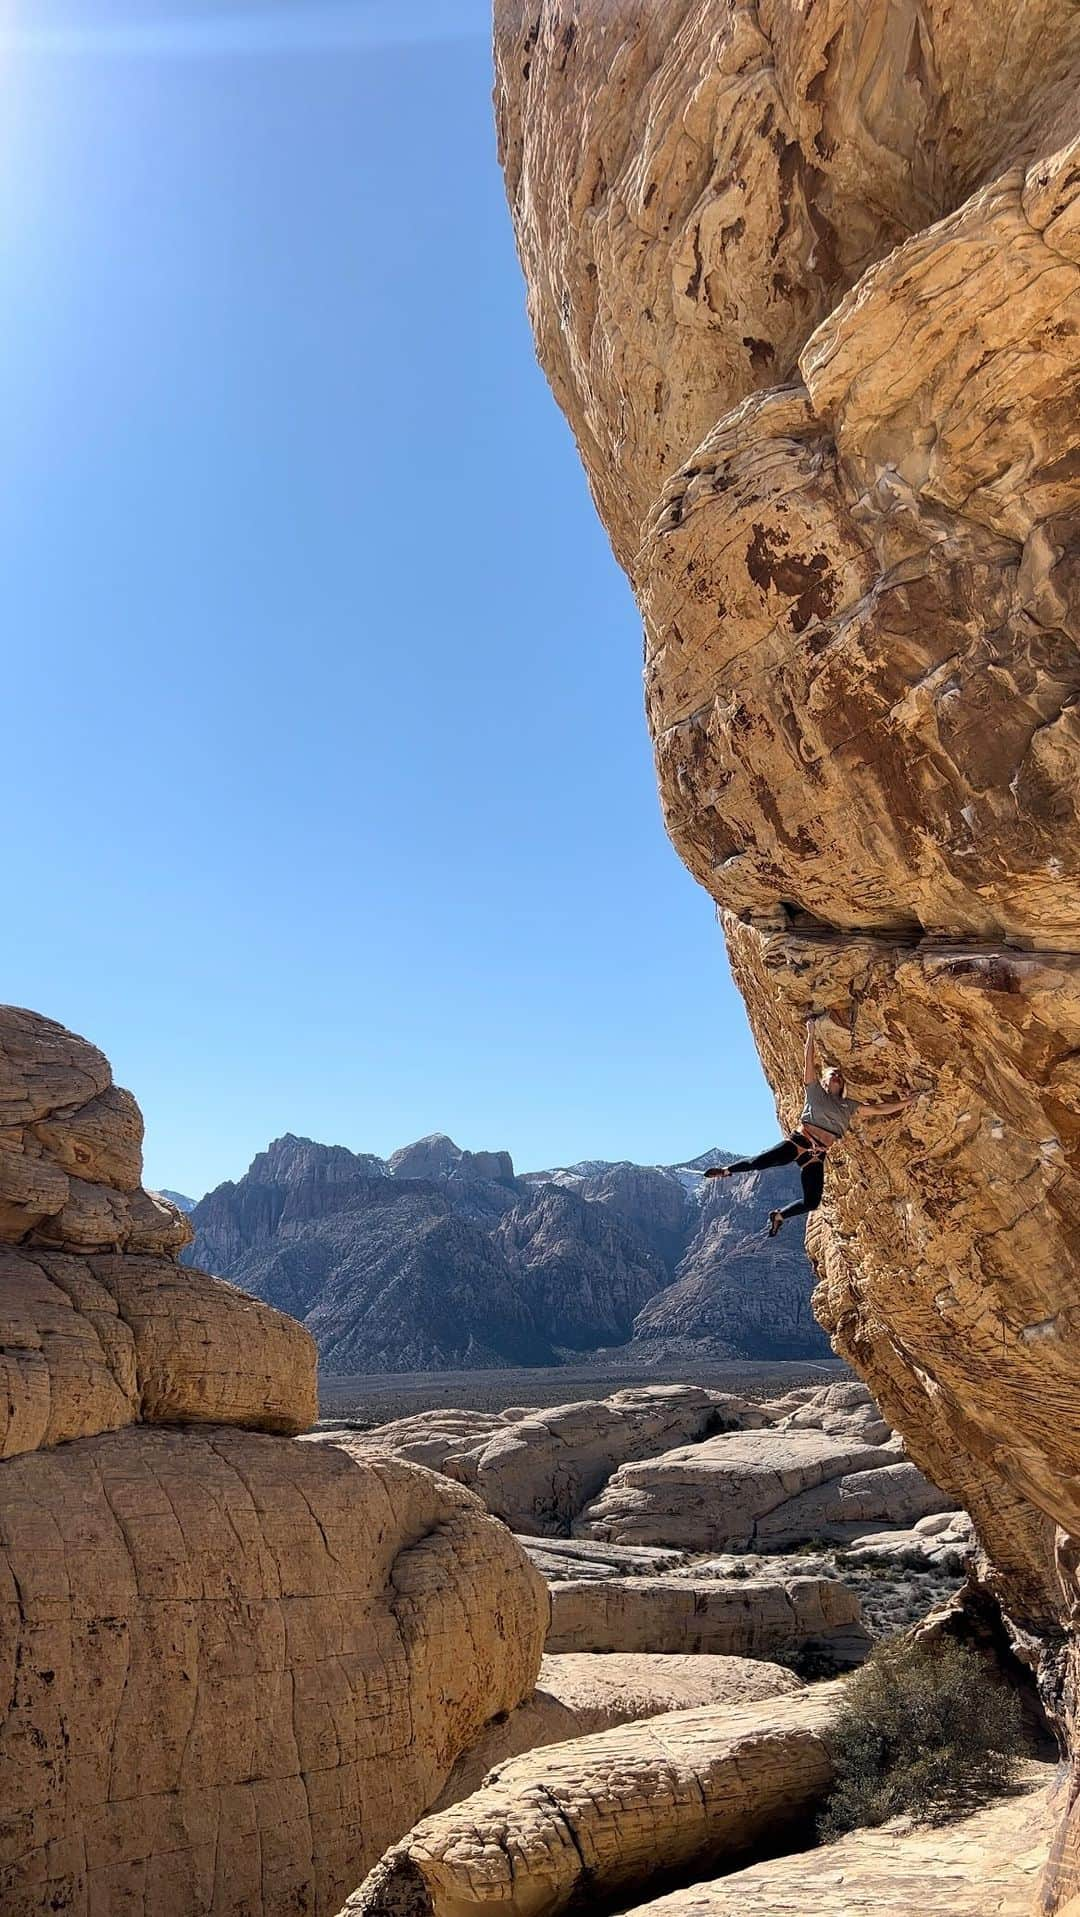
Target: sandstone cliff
[
  {"x": 234, "y": 1668},
  {"x": 806, "y": 282}
]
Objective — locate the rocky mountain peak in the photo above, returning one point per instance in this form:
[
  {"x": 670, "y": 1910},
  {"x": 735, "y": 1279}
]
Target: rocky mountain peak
[
  {"x": 437, "y": 1157},
  {"x": 432, "y": 1157},
  {"x": 290, "y": 1160}
]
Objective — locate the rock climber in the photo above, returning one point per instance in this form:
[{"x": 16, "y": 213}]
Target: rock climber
[{"x": 826, "y": 1116}]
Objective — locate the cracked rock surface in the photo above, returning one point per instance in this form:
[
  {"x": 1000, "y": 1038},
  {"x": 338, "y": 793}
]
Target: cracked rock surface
[
  {"x": 806, "y": 283},
  {"x": 741, "y": 1617},
  {"x": 99, "y": 1327},
  {"x": 233, "y": 1667},
  {"x": 237, "y": 1666},
  {"x": 742, "y": 1492},
  {"x": 579, "y": 1694},
  {"x": 986, "y": 1865},
  {"x": 91, "y": 1343},
  {"x": 608, "y": 1814}
]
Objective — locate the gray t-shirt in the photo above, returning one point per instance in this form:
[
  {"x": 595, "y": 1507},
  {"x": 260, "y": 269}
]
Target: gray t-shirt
[{"x": 828, "y": 1113}]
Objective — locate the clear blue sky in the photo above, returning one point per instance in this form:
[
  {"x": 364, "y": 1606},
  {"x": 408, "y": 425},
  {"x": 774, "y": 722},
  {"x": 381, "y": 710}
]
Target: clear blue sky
[{"x": 329, "y": 803}]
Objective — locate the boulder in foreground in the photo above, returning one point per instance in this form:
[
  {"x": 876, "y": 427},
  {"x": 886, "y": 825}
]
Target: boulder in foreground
[
  {"x": 239, "y": 1667},
  {"x": 579, "y": 1694},
  {"x": 235, "y": 1667},
  {"x": 606, "y": 1815}
]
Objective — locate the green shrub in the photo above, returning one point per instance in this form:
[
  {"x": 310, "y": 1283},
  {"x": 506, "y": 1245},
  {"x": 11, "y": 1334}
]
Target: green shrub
[{"x": 924, "y": 1731}]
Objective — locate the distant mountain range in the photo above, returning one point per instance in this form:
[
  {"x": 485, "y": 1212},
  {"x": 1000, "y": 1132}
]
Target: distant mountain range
[{"x": 443, "y": 1259}]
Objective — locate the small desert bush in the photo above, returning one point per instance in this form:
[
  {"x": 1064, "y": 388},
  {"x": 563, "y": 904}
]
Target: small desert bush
[{"x": 925, "y": 1731}]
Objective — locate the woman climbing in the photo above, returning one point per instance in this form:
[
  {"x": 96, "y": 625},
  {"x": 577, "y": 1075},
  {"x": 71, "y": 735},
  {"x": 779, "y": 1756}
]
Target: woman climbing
[{"x": 826, "y": 1116}]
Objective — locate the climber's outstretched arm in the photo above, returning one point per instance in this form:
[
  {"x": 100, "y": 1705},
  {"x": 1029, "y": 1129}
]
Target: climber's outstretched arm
[
  {"x": 809, "y": 1061},
  {"x": 888, "y": 1108}
]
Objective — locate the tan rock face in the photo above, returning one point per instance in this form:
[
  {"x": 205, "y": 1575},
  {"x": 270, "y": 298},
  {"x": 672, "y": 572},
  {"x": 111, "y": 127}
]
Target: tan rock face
[
  {"x": 90, "y": 1344},
  {"x": 843, "y": 1411},
  {"x": 620, "y": 1688},
  {"x": 560, "y": 1558},
  {"x": 234, "y": 1667},
  {"x": 579, "y": 1694},
  {"x": 806, "y": 282},
  {"x": 985, "y": 1865},
  {"x": 448, "y": 1441},
  {"x": 723, "y": 1493},
  {"x": 239, "y": 1667},
  {"x": 607, "y": 1814},
  {"x": 71, "y": 1148},
  {"x": 739, "y": 1617},
  {"x": 538, "y": 1473},
  {"x": 99, "y": 1328}
]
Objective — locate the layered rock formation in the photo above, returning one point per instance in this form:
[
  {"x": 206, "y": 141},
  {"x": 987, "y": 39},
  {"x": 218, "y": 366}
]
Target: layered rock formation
[
  {"x": 537, "y": 1470},
  {"x": 440, "y": 1259},
  {"x": 560, "y": 1558},
  {"x": 739, "y": 1492},
  {"x": 797, "y": 1619},
  {"x": 806, "y": 282},
  {"x": 672, "y": 1465},
  {"x": 606, "y": 1691},
  {"x": 577, "y": 1695},
  {"x": 234, "y": 1667},
  {"x": 604, "y": 1815}
]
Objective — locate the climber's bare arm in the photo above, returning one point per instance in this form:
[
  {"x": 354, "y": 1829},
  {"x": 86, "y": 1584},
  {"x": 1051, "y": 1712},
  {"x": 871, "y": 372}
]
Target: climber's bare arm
[
  {"x": 888, "y": 1108},
  {"x": 809, "y": 1062}
]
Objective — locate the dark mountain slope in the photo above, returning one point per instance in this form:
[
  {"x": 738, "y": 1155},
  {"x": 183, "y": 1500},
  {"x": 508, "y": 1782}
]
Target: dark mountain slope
[{"x": 443, "y": 1259}]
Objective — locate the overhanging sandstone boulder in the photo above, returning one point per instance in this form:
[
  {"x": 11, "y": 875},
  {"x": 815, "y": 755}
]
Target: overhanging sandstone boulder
[
  {"x": 861, "y": 620},
  {"x": 805, "y": 281},
  {"x": 606, "y": 1815}
]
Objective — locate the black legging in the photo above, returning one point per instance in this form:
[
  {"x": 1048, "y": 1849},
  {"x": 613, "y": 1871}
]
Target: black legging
[{"x": 811, "y": 1171}]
